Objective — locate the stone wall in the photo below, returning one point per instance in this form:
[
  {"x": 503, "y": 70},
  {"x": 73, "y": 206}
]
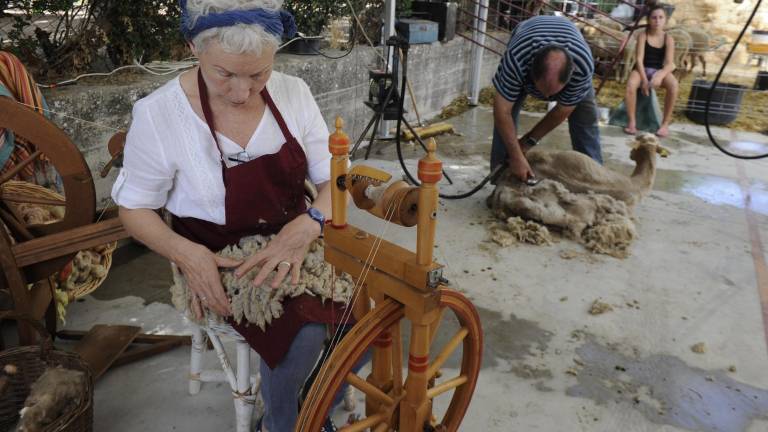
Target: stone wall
[{"x": 438, "y": 72}]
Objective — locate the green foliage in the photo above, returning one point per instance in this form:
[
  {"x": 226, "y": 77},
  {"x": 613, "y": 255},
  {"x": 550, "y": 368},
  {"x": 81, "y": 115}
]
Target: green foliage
[
  {"x": 312, "y": 16},
  {"x": 92, "y": 32}
]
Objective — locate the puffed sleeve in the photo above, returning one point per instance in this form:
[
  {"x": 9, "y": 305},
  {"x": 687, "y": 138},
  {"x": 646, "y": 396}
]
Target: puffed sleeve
[
  {"x": 314, "y": 136},
  {"x": 145, "y": 179}
]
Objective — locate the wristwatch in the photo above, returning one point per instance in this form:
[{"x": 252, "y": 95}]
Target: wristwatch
[
  {"x": 530, "y": 141},
  {"x": 317, "y": 216}
]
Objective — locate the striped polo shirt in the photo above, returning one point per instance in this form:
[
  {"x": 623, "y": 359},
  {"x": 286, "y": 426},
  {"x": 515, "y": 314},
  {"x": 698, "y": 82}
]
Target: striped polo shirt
[{"x": 513, "y": 77}]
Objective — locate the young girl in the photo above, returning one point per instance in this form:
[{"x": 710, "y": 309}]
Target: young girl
[{"x": 654, "y": 66}]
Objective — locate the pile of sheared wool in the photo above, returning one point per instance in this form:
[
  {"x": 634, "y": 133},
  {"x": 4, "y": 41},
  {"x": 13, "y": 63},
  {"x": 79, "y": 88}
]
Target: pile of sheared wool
[
  {"x": 603, "y": 224},
  {"x": 260, "y": 305},
  {"x": 517, "y": 230},
  {"x": 57, "y": 392}
]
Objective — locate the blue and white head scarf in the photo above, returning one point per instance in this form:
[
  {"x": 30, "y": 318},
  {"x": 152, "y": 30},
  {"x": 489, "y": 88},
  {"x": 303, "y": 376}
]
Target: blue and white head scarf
[{"x": 276, "y": 22}]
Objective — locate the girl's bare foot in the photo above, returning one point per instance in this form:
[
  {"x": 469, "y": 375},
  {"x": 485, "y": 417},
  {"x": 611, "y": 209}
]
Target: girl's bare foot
[
  {"x": 663, "y": 131},
  {"x": 630, "y": 130}
]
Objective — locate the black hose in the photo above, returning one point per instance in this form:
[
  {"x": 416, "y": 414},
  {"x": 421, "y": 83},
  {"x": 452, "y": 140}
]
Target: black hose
[
  {"x": 717, "y": 81},
  {"x": 400, "y": 108}
]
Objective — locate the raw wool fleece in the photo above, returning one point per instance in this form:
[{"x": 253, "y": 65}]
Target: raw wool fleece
[
  {"x": 260, "y": 305},
  {"x": 600, "y": 222},
  {"x": 57, "y": 392},
  {"x": 517, "y": 230}
]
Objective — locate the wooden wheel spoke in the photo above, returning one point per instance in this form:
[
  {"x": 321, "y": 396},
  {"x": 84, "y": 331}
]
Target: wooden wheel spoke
[
  {"x": 366, "y": 423},
  {"x": 448, "y": 385},
  {"x": 369, "y": 389},
  {"x": 449, "y": 348},
  {"x": 20, "y": 166}
]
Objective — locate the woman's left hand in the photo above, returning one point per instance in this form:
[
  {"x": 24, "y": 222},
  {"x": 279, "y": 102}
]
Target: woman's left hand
[{"x": 289, "y": 246}]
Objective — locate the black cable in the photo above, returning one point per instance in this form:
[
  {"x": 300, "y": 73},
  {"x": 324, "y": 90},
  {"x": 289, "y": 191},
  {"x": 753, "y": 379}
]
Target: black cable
[
  {"x": 717, "y": 81},
  {"x": 400, "y": 109},
  {"x": 353, "y": 42}
]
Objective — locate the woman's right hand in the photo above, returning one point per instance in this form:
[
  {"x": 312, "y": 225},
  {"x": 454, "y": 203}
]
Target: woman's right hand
[
  {"x": 200, "y": 268},
  {"x": 645, "y": 87}
]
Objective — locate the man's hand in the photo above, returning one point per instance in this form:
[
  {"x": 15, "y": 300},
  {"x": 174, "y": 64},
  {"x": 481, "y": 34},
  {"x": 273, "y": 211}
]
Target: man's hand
[{"x": 520, "y": 168}]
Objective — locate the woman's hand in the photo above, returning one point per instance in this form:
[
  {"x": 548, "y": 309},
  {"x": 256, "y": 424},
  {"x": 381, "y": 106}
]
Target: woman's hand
[
  {"x": 645, "y": 87},
  {"x": 200, "y": 268},
  {"x": 289, "y": 246}
]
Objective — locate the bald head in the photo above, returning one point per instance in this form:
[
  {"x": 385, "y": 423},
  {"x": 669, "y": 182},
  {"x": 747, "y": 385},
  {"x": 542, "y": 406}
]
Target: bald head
[{"x": 551, "y": 70}]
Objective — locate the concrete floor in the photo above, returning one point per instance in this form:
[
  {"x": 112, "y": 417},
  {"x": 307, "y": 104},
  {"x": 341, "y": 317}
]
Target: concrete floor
[{"x": 696, "y": 274}]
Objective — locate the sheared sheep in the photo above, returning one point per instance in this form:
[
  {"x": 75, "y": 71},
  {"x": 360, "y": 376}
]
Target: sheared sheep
[
  {"x": 587, "y": 201},
  {"x": 580, "y": 174}
]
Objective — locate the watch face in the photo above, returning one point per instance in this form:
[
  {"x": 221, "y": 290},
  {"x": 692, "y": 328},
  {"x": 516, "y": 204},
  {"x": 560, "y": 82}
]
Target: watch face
[{"x": 316, "y": 214}]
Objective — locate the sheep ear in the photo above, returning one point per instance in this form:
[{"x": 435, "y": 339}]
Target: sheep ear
[{"x": 633, "y": 143}]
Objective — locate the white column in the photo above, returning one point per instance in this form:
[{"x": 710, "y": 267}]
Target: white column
[
  {"x": 478, "y": 35},
  {"x": 387, "y": 31}
]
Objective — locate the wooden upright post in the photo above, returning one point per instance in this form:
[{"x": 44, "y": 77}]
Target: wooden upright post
[
  {"x": 338, "y": 145},
  {"x": 430, "y": 173}
]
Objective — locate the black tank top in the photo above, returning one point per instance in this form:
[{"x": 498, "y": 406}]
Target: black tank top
[{"x": 654, "y": 57}]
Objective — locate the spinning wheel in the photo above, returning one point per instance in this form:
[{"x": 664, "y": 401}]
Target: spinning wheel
[
  {"x": 32, "y": 253},
  {"x": 80, "y": 196},
  {"x": 403, "y": 285}
]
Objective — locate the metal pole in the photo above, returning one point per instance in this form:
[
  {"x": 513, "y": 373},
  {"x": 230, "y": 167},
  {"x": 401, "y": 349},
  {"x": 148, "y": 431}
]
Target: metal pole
[
  {"x": 387, "y": 31},
  {"x": 481, "y": 14}
]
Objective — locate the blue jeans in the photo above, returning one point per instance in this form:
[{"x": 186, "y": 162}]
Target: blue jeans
[
  {"x": 280, "y": 386},
  {"x": 582, "y": 125}
]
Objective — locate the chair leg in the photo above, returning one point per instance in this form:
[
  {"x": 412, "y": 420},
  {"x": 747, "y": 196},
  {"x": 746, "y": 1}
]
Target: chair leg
[
  {"x": 243, "y": 397},
  {"x": 196, "y": 360}
]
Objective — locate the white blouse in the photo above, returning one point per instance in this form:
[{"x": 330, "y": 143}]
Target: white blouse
[{"x": 171, "y": 159}]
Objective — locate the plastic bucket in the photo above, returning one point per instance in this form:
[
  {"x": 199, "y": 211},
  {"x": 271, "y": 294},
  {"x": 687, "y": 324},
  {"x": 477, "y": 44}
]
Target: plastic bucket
[{"x": 725, "y": 104}]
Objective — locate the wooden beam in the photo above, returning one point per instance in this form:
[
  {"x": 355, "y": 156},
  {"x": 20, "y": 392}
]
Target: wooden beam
[{"x": 66, "y": 242}]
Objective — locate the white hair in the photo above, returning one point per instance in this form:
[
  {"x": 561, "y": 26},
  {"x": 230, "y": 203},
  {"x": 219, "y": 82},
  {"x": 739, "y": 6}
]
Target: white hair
[{"x": 237, "y": 39}]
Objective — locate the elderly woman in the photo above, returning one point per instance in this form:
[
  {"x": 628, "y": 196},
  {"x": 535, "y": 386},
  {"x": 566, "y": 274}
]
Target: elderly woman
[
  {"x": 225, "y": 148},
  {"x": 654, "y": 67}
]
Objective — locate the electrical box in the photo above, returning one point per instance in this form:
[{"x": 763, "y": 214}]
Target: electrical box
[
  {"x": 444, "y": 14},
  {"x": 417, "y": 31}
]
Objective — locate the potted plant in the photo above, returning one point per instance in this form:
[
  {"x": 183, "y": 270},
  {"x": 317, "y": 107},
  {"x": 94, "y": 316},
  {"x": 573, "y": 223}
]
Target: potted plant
[{"x": 312, "y": 16}]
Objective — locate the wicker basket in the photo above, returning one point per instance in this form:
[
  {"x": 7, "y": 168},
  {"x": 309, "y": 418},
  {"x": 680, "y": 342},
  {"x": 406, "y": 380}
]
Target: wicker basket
[
  {"x": 31, "y": 362},
  {"x": 36, "y": 191}
]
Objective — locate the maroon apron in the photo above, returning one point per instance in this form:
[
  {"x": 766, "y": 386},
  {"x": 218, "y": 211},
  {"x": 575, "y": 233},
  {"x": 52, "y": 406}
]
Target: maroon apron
[{"x": 261, "y": 196}]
